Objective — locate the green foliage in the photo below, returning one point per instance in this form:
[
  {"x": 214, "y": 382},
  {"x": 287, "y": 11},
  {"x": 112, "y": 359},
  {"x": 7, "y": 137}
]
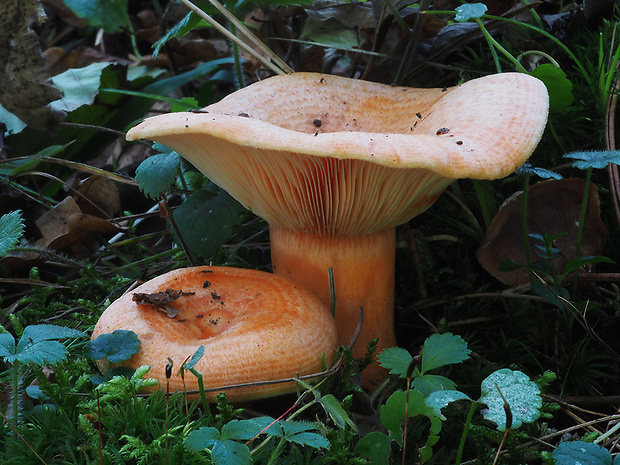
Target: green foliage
[
  {"x": 470, "y": 11},
  {"x": 597, "y": 159},
  {"x": 11, "y": 230},
  {"x": 158, "y": 174},
  {"x": 79, "y": 86},
  {"x": 505, "y": 390},
  {"x": 224, "y": 445},
  {"x": 106, "y": 14},
  {"x": 116, "y": 346},
  {"x": 37, "y": 345},
  {"x": 582, "y": 453},
  {"x": 559, "y": 87}
]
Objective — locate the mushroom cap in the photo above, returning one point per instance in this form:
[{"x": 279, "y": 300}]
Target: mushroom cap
[
  {"x": 331, "y": 155},
  {"x": 255, "y": 326}
]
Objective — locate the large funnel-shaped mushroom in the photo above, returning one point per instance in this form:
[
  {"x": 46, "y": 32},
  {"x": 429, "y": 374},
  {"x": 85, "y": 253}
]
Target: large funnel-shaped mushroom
[{"x": 335, "y": 164}]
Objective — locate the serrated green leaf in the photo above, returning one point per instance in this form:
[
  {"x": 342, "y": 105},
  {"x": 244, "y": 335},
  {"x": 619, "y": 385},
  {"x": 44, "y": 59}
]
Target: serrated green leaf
[
  {"x": 470, "y": 11},
  {"x": 314, "y": 440},
  {"x": 439, "y": 399},
  {"x": 581, "y": 453},
  {"x": 7, "y": 344},
  {"x": 241, "y": 429},
  {"x": 189, "y": 22},
  {"x": 201, "y": 438},
  {"x": 38, "y": 333},
  {"x": 396, "y": 360},
  {"x": 334, "y": 409},
  {"x": 206, "y": 222},
  {"x": 11, "y": 230},
  {"x": 443, "y": 349},
  {"x": 227, "y": 452},
  {"x": 157, "y": 174},
  {"x": 376, "y": 447},
  {"x": 117, "y": 346},
  {"x": 80, "y": 86},
  {"x": 543, "y": 173},
  {"x": 40, "y": 353},
  {"x": 594, "y": 159},
  {"x": 427, "y": 384},
  {"x": 110, "y": 15},
  {"x": 522, "y": 395}
]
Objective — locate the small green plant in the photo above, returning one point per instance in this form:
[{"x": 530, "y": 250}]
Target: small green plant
[{"x": 38, "y": 345}]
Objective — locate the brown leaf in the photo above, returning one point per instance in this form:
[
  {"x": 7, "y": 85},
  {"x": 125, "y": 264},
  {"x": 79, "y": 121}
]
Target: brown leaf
[
  {"x": 553, "y": 207},
  {"x": 97, "y": 196}
]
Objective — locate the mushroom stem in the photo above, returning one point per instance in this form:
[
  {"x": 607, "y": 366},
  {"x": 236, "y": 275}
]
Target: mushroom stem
[{"x": 363, "y": 269}]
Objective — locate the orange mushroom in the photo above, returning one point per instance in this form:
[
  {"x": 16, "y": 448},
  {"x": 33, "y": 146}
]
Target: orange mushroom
[
  {"x": 254, "y": 326},
  {"x": 335, "y": 164}
]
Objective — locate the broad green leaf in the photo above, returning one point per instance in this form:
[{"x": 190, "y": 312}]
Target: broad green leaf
[
  {"x": 443, "y": 349},
  {"x": 157, "y": 174},
  {"x": 551, "y": 293},
  {"x": 314, "y": 440},
  {"x": 470, "y": 11},
  {"x": 201, "y": 438},
  {"x": 376, "y": 447},
  {"x": 206, "y": 222},
  {"x": 594, "y": 159},
  {"x": 7, "y": 344},
  {"x": 439, "y": 399},
  {"x": 559, "y": 87},
  {"x": 40, "y": 353},
  {"x": 13, "y": 124},
  {"x": 110, "y": 15},
  {"x": 581, "y": 453},
  {"x": 79, "y": 86},
  {"x": 334, "y": 409},
  {"x": 543, "y": 173},
  {"x": 522, "y": 395},
  {"x": 427, "y": 384},
  {"x": 396, "y": 360},
  {"x": 227, "y": 452},
  {"x": 37, "y": 333},
  {"x": 11, "y": 230},
  {"x": 117, "y": 346},
  {"x": 241, "y": 429}
]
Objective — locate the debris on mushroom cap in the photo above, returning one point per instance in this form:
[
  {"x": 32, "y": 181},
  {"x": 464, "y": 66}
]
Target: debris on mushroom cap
[
  {"x": 372, "y": 163},
  {"x": 257, "y": 327},
  {"x": 553, "y": 207}
]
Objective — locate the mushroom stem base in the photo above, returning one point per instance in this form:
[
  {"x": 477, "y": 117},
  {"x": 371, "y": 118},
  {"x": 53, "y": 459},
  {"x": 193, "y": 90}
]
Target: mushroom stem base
[{"x": 363, "y": 268}]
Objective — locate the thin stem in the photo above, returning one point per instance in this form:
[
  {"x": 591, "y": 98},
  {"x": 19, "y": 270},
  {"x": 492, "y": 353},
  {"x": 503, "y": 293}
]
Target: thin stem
[
  {"x": 496, "y": 45},
  {"x": 524, "y": 229},
  {"x": 266, "y": 61},
  {"x": 470, "y": 416},
  {"x": 582, "y": 219}
]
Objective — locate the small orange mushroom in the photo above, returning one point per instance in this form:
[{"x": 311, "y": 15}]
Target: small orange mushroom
[
  {"x": 335, "y": 164},
  {"x": 255, "y": 326}
]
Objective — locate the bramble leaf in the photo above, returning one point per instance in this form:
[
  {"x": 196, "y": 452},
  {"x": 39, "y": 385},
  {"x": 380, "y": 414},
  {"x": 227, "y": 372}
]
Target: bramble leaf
[
  {"x": 376, "y": 447},
  {"x": 396, "y": 360},
  {"x": 38, "y": 345},
  {"x": 521, "y": 394},
  {"x": 11, "y": 230},
  {"x": 117, "y": 346},
  {"x": 443, "y": 349},
  {"x": 158, "y": 173}
]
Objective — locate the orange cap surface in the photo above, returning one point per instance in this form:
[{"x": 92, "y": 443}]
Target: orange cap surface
[{"x": 255, "y": 326}]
